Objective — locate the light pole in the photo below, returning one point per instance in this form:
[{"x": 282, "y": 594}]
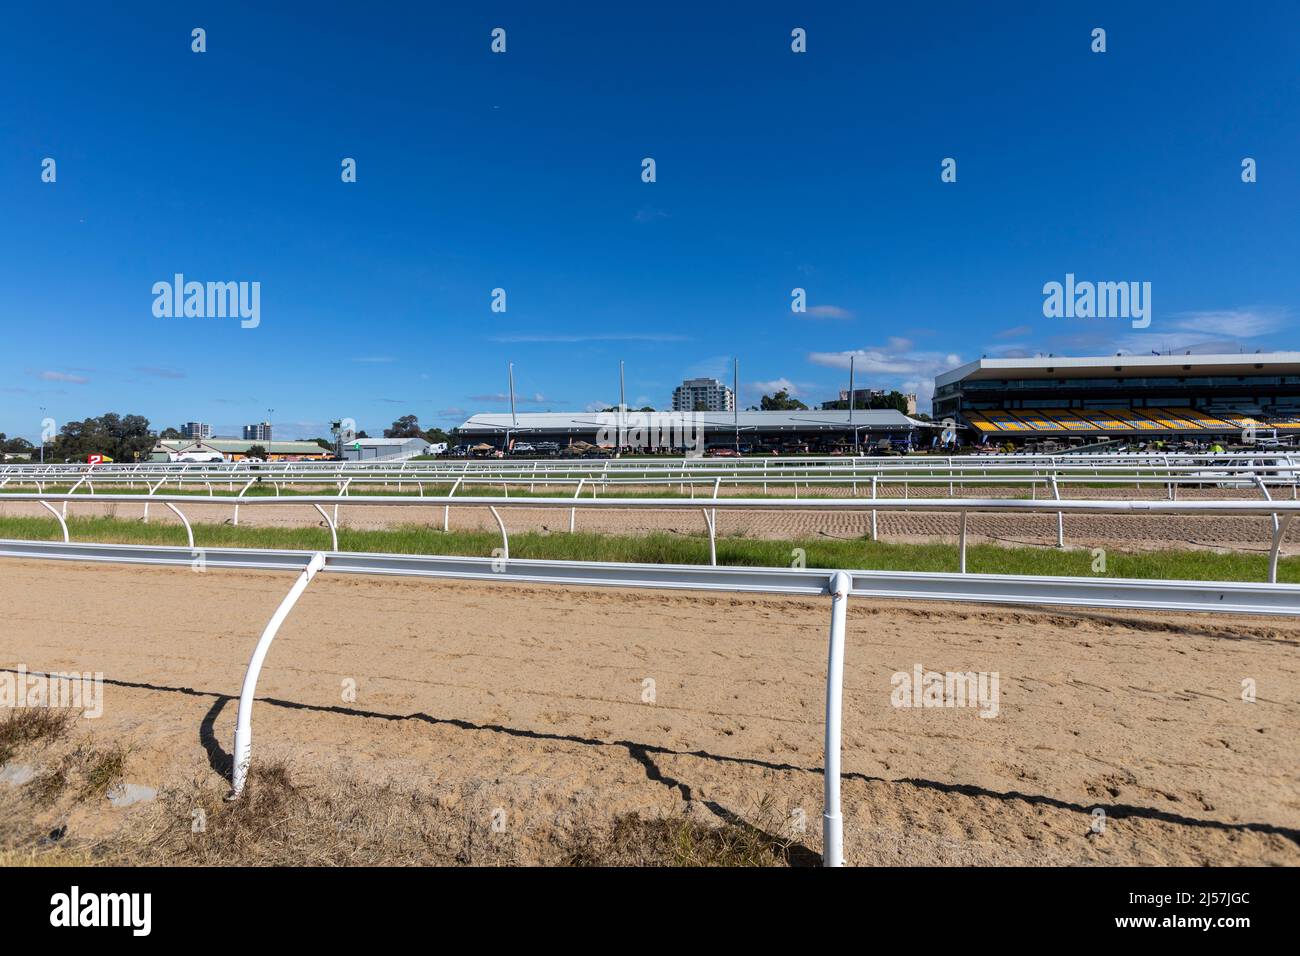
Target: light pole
[
  {"x": 735, "y": 400},
  {"x": 42, "y": 434},
  {"x": 269, "y": 413}
]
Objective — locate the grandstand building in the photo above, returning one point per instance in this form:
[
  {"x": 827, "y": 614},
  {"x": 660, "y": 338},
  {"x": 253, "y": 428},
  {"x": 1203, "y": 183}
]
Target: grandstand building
[
  {"x": 1093, "y": 398},
  {"x": 750, "y": 431}
]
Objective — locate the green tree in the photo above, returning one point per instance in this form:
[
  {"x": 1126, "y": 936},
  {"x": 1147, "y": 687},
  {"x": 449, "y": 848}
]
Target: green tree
[
  {"x": 15, "y": 446},
  {"x": 121, "y": 437},
  {"x": 257, "y": 451},
  {"x": 782, "y": 402},
  {"x": 408, "y": 426}
]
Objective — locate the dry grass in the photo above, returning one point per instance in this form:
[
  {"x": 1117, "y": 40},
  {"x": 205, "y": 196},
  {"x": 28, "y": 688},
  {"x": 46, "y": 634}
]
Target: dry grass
[
  {"x": 679, "y": 840},
  {"x": 63, "y": 774},
  {"x": 284, "y": 821},
  {"x": 21, "y": 727},
  {"x": 281, "y": 821}
]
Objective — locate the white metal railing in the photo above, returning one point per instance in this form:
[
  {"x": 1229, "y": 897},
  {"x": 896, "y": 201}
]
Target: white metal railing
[
  {"x": 612, "y": 467},
  {"x": 1243, "y": 474},
  {"x": 1281, "y": 512},
  {"x": 839, "y": 585}
]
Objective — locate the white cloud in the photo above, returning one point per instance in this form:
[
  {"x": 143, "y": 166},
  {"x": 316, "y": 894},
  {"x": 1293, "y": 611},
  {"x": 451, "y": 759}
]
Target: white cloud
[
  {"x": 895, "y": 365},
  {"x": 537, "y": 398},
  {"x": 64, "y": 377},
  {"x": 1208, "y": 331},
  {"x": 776, "y": 385},
  {"x": 882, "y": 360}
]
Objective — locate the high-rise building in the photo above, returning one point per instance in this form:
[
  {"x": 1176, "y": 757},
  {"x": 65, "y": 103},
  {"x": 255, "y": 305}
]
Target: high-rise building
[
  {"x": 259, "y": 432},
  {"x": 706, "y": 394},
  {"x": 198, "y": 430}
]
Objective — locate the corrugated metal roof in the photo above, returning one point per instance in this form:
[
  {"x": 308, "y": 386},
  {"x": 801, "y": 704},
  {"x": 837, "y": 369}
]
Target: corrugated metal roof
[
  {"x": 749, "y": 421},
  {"x": 239, "y": 445},
  {"x": 382, "y": 442},
  {"x": 1103, "y": 366}
]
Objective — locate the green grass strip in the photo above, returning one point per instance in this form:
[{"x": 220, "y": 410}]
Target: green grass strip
[{"x": 663, "y": 548}]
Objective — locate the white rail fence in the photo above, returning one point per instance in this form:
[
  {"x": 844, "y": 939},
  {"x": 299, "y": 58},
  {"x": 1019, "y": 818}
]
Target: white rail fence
[
  {"x": 838, "y": 585},
  {"x": 1245, "y": 473},
  {"x": 1280, "y": 512},
  {"x": 774, "y": 468}
]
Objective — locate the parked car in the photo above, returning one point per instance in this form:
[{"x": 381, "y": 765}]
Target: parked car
[{"x": 1241, "y": 472}]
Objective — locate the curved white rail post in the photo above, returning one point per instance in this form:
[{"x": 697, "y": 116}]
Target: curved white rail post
[
  {"x": 240, "y": 495},
  {"x": 62, "y": 523},
  {"x": 244, "y": 721},
  {"x": 832, "y": 823},
  {"x": 343, "y": 492},
  {"x": 73, "y": 490},
  {"x": 712, "y": 524},
  {"x": 963, "y": 542},
  {"x": 573, "y": 512},
  {"x": 709, "y": 518},
  {"x": 1259, "y": 482},
  {"x": 334, "y": 528},
  {"x": 1060, "y": 518},
  {"x": 446, "y": 509},
  {"x": 152, "y": 491},
  {"x": 189, "y": 532},
  {"x": 1279, "y": 532},
  {"x": 874, "y": 535},
  {"x": 505, "y": 539}
]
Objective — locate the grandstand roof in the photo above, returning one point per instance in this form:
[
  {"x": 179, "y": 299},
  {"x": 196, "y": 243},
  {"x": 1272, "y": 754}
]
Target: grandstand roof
[
  {"x": 1105, "y": 366},
  {"x": 487, "y": 422}
]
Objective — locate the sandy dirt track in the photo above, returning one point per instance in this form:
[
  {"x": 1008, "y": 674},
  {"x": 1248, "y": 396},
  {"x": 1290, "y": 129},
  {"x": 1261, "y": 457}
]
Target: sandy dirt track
[{"x": 530, "y": 699}]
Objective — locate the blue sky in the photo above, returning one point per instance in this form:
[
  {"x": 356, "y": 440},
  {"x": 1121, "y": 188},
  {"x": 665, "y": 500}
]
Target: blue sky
[{"x": 522, "y": 171}]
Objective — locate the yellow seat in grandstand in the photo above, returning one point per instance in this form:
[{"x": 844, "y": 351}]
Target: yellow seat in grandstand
[
  {"x": 1170, "y": 418},
  {"x": 1068, "y": 421},
  {"x": 1239, "y": 421},
  {"x": 1129, "y": 419},
  {"x": 1005, "y": 421},
  {"x": 976, "y": 419},
  {"x": 1095, "y": 418},
  {"x": 1200, "y": 419},
  {"x": 1158, "y": 419},
  {"x": 1035, "y": 421}
]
